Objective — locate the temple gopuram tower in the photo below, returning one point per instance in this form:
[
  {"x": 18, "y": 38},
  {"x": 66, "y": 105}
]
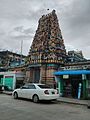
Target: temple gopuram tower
[{"x": 47, "y": 52}]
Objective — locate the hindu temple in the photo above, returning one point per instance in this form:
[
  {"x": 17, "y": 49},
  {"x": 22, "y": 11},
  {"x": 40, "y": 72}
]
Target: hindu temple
[{"x": 47, "y": 52}]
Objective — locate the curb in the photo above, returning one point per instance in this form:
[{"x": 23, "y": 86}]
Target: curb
[
  {"x": 7, "y": 93},
  {"x": 84, "y": 104}
]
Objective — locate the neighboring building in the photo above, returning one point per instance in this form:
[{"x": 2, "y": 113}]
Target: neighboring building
[
  {"x": 77, "y": 65},
  {"x": 71, "y": 76},
  {"x": 75, "y": 56},
  {"x": 47, "y": 51},
  {"x": 3, "y": 69},
  {"x": 73, "y": 83},
  {"x": 8, "y": 58},
  {"x": 12, "y": 80}
]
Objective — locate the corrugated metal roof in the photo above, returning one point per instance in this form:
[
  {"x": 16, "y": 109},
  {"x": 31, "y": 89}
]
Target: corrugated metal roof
[{"x": 72, "y": 72}]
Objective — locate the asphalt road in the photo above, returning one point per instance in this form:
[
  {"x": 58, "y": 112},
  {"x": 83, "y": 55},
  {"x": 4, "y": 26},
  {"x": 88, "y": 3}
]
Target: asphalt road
[{"x": 11, "y": 109}]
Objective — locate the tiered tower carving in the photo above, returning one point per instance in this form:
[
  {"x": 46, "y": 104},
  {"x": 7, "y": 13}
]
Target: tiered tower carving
[
  {"x": 47, "y": 51},
  {"x": 48, "y": 45}
]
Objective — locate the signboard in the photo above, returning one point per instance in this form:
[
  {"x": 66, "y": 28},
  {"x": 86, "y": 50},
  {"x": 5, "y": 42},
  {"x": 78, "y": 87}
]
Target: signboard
[
  {"x": 8, "y": 76},
  {"x": 65, "y": 76}
]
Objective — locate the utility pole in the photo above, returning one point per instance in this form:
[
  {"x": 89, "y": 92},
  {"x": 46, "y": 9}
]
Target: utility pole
[{"x": 21, "y": 51}]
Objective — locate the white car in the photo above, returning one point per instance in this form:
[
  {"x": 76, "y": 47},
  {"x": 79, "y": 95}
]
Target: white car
[{"x": 36, "y": 92}]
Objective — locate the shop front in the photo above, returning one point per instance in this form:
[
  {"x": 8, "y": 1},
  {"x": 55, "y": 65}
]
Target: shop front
[
  {"x": 73, "y": 83},
  {"x": 11, "y": 80}
]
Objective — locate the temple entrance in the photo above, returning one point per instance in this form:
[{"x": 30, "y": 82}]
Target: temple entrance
[{"x": 36, "y": 75}]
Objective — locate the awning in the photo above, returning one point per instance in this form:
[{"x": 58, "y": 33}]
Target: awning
[{"x": 72, "y": 72}]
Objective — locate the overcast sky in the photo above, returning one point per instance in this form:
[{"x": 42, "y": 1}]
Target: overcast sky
[{"x": 19, "y": 20}]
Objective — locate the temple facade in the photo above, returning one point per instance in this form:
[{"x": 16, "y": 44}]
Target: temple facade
[{"x": 47, "y": 52}]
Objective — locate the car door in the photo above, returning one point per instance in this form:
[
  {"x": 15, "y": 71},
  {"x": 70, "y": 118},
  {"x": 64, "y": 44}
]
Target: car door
[
  {"x": 23, "y": 91},
  {"x": 31, "y": 91}
]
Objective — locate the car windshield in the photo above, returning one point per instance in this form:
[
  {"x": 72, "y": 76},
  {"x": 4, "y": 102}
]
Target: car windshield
[{"x": 44, "y": 86}]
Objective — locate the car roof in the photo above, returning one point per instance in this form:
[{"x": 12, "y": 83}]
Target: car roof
[{"x": 34, "y": 84}]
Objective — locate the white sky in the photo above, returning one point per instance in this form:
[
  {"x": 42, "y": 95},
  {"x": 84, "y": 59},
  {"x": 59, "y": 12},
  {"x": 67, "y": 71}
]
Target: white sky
[{"x": 19, "y": 20}]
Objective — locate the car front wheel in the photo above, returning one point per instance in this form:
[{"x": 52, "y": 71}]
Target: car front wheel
[
  {"x": 15, "y": 95},
  {"x": 35, "y": 99}
]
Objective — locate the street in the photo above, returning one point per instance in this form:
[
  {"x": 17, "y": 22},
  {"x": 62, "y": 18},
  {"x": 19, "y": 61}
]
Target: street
[{"x": 11, "y": 109}]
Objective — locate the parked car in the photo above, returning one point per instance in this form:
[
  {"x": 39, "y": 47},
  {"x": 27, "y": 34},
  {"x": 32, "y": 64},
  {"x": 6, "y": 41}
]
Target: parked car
[{"x": 36, "y": 92}]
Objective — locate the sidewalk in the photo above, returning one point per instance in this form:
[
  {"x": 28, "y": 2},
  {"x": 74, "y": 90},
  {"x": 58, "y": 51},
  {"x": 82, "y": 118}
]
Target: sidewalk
[
  {"x": 73, "y": 101},
  {"x": 7, "y": 92}
]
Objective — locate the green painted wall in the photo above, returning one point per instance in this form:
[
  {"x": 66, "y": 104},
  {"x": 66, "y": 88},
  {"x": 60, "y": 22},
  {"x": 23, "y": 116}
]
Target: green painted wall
[
  {"x": 8, "y": 82},
  {"x": 60, "y": 85},
  {"x": 84, "y": 89},
  {"x": 88, "y": 89}
]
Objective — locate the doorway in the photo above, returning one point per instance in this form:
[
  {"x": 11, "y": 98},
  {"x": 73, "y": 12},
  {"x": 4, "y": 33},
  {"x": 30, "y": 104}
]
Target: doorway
[
  {"x": 71, "y": 86},
  {"x": 1, "y": 79},
  {"x": 36, "y": 75},
  {"x": 76, "y": 80}
]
